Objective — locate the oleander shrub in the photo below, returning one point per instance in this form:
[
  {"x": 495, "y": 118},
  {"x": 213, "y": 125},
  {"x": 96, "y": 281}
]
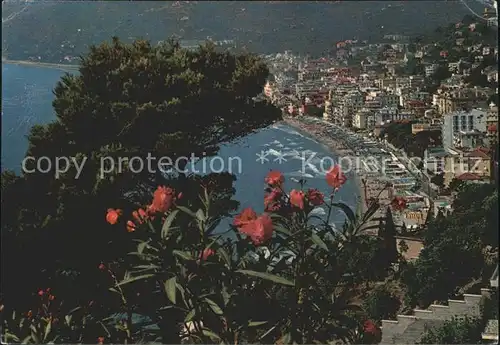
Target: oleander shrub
[{"x": 275, "y": 277}]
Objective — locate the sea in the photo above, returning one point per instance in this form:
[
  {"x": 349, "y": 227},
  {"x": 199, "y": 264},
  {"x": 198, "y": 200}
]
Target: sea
[{"x": 27, "y": 100}]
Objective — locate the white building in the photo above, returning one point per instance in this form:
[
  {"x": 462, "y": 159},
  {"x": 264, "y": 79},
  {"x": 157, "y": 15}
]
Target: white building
[
  {"x": 430, "y": 69},
  {"x": 455, "y": 122}
]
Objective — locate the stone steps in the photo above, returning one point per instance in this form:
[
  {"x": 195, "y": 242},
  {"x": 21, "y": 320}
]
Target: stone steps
[{"x": 406, "y": 329}]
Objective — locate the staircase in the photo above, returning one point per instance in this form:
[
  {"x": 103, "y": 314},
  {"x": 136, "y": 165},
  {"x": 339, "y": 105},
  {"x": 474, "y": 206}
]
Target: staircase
[{"x": 408, "y": 329}]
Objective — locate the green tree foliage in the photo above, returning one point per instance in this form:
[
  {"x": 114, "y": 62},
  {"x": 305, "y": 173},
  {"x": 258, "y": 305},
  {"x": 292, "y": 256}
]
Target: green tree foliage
[
  {"x": 456, "y": 331},
  {"x": 441, "y": 73},
  {"x": 283, "y": 279},
  {"x": 129, "y": 100},
  {"x": 438, "y": 180},
  {"x": 454, "y": 246},
  {"x": 381, "y": 304},
  {"x": 400, "y": 135},
  {"x": 387, "y": 233}
]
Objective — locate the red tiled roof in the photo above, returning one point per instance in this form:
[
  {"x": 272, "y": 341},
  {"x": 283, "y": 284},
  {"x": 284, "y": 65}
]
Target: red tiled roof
[
  {"x": 468, "y": 177},
  {"x": 480, "y": 152}
]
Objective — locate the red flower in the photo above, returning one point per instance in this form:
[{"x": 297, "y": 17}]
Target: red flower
[
  {"x": 315, "y": 197},
  {"x": 40, "y": 292},
  {"x": 100, "y": 340},
  {"x": 29, "y": 314},
  {"x": 163, "y": 199},
  {"x": 297, "y": 198},
  {"x": 271, "y": 200},
  {"x": 130, "y": 226},
  {"x": 140, "y": 216},
  {"x": 370, "y": 328},
  {"x": 52, "y": 297},
  {"x": 275, "y": 178},
  {"x": 398, "y": 203},
  {"x": 246, "y": 216},
  {"x": 207, "y": 253},
  {"x": 113, "y": 215},
  {"x": 258, "y": 230},
  {"x": 335, "y": 178},
  {"x": 102, "y": 267}
]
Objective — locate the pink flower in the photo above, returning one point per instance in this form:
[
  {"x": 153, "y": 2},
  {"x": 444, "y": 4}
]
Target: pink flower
[
  {"x": 315, "y": 197},
  {"x": 297, "y": 198},
  {"x": 335, "y": 178},
  {"x": 163, "y": 200},
  {"x": 207, "y": 253},
  {"x": 258, "y": 230},
  {"x": 275, "y": 178}
]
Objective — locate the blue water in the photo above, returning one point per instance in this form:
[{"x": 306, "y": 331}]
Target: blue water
[{"x": 27, "y": 100}]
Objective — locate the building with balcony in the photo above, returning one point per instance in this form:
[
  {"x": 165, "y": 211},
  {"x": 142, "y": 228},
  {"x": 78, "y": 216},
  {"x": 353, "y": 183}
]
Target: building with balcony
[{"x": 458, "y": 121}]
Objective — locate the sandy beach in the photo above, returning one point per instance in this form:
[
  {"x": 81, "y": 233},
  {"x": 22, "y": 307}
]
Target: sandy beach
[{"x": 374, "y": 184}]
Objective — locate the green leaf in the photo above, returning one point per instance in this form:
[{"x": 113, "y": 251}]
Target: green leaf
[
  {"x": 10, "y": 336},
  {"x": 187, "y": 210},
  {"x": 190, "y": 316},
  {"x": 281, "y": 229},
  {"x": 133, "y": 279},
  {"x": 183, "y": 255},
  {"x": 286, "y": 339},
  {"x": 27, "y": 340},
  {"x": 67, "y": 319},
  {"x": 214, "y": 306},
  {"x": 318, "y": 241},
  {"x": 372, "y": 208},
  {"x": 347, "y": 210},
  {"x": 141, "y": 246},
  {"x": 200, "y": 215},
  {"x": 48, "y": 328},
  {"x": 211, "y": 335},
  {"x": 267, "y": 276},
  {"x": 168, "y": 222},
  {"x": 171, "y": 289},
  {"x": 224, "y": 256},
  {"x": 256, "y": 323}
]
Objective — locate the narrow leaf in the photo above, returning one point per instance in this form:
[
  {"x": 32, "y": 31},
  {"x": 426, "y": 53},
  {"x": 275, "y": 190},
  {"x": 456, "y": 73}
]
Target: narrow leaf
[
  {"x": 190, "y": 316},
  {"x": 347, "y": 210},
  {"x": 200, "y": 215},
  {"x": 214, "y": 306},
  {"x": 133, "y": 279},
  {"x": 48, "y": 328},
  {"x": 183, "y": 255},
  {"x": 170, "y": 289},
  {"x": 211, "y": 335},
  {"x": 267, "y": 276},
  {"x": 141, "y": 246},
  {"x": 318, "y": 241},
  {"x": 281, "y": 229},
  {"x": 256, "y": 323},
  {"x": 168, "y": 222},
  {"x": 67, "y": 319},
  {"x": 187, "y": 210},
  {"x": 224, "y": 256}
]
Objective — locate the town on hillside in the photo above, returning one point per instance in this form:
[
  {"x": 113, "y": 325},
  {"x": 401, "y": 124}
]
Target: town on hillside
[{"x": 427, "y": 106}]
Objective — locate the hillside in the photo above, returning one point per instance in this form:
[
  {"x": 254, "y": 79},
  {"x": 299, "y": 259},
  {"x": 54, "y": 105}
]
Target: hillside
[{"x": 51, "y": 30}]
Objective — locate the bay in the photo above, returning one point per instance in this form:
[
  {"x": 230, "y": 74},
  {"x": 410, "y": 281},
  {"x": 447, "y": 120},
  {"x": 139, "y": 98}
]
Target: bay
[{"x": 27, "y": 100}]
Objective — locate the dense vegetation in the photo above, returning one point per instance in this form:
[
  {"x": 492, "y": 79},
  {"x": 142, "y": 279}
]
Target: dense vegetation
[
  {"x": 129, "y": 100},
  {"x": 400, "y": 135},
  {"x": 53, "y": 30},
  {"x": 460, "y": 252}
]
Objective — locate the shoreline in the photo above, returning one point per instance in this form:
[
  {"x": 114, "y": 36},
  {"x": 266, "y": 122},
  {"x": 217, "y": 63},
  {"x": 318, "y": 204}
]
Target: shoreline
[
  {"x": 65, "y": 67},
  {"x": 335, "y": 147}
]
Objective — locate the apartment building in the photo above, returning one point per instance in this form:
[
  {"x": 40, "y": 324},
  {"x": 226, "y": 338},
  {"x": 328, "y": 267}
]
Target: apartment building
[
  {"x": 471, "y": 165},
  {"x": 463, "y": 121}
]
